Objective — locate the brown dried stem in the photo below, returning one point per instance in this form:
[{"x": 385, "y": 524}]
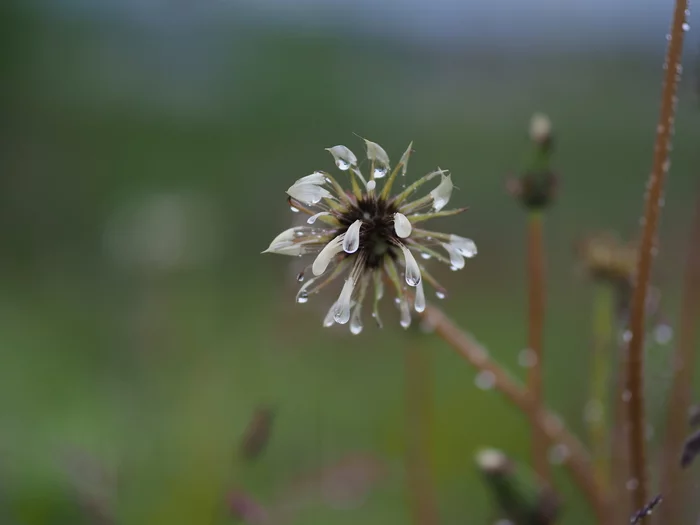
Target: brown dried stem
[
  {"x": 419, "y": 423},
  {"x": 673, "y": 479},
  {"x": 536, "y": 304},
  {"x": 551, "y": 426},
  {"x": 660, "y": 165}
]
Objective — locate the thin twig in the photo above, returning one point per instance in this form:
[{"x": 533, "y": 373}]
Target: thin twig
[
  {"x": 660, "y": 166},
  {"x": 419, "y": 400},
  {"x": 578, "y": 460},
  {"x": 535, "y": 271},
  {"x": 673, "y": 479},
  {"x": 596, "y": 415}
]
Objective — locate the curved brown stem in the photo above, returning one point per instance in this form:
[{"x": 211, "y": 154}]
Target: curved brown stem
[
  {"x": 550, "y": 425},
  {"x": 673, "y": 479},
  {"x": 652, "y": 210}
]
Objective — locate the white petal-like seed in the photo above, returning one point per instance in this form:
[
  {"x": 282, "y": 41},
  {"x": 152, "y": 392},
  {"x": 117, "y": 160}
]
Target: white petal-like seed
[
  {"x": 313, "y": 218},
  {"x": 380, "y": 158},
  {"x": 402, "y": 226},
  {"x": 316, "y": 177},
  {"x": 464, "y": 246},
  {"x": 419, "y": 301},
  {"x": 308, "y": 193},
  {"x": 285, "y": 236},
  {"x": 323, "y": 259},
  {"x": 456, "y": 258},
  {"x": 412, "y": 269},
  {"x": 341, "y": 312},
  {"x": 441, "y": 194},
  {"x": 351, "y": 242},
  {"x": 329, "y": 320},
  {"x": 344, "y": 158}
]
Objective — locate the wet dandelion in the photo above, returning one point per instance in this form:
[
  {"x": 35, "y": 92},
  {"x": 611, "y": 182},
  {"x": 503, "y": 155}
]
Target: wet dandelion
[{"x": 368, "y": 234}]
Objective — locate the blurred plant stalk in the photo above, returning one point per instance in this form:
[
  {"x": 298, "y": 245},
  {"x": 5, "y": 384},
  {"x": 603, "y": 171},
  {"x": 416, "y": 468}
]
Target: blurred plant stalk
[
  {"x": 652, "y": 210},
  {"x": 674, "y": 480},
  {"x": 596, "y": 415},
  {"x": 536, "y": 306},
  {"x": 419, "y": 425}
]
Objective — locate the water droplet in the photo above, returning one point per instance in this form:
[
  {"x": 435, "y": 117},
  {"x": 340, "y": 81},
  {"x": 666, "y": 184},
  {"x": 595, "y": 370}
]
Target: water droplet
[
  {"x": 663, "y": 334},
  {"x": 558, "y": 454},
  {"x": 440, "y": 294},
  {"x": 299, "y": 233},
  {"x": 627, "y": 336},
  {"x": 371, "y": 185},
  {"x": 626, "y": 396},
  {"x": 527, "y": 358},
  {"x": 397, "y": 300},
  {"x": 342, "y": 164},
  {"x": 686, "y": 26},
  {"x": 485, "y": 380},
  {"x": 295, "y": 210},
  {"x": 302, "y": 297},
  {"x": 356, "y": 324},
  {"x": 593, "y": 411},
  {"x": 632, "y": 484},
  {"x": 649, "y": 434},
  {"x": 668, "y": 37},
  {"x": 426, "y": 256},
  {"x": 379, "y": 173},
  {"x": 300, "y": 276}
]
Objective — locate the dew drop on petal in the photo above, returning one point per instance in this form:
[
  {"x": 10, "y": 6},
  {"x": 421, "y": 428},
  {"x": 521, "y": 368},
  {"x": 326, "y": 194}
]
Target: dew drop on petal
[
  {"x": 405, "y": 314},
  {"x": 356, "y": 325},
  {"x": 329, "y": 320},
  {"x": 295, "y": 210},
  {"x": 300, "y": 276},
  {"x": 351, "y": 241},
  {"x": 440, "y": 294},
  {"x": 402, "y": 226},
  {"x": 380, "y": 172},
  {"x": 686, "y": 26},
  {"x": 313, "y": 218},
  {"x": 485, "y": 380},
  {"x": 371, "y": 185},
  {"x": 426, "y": 256},
  {"x": 419, "y": 302},
  {"x": 302, "y": 297}
]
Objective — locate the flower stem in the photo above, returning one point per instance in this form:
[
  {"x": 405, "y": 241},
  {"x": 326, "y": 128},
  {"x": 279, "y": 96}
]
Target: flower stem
[
  {"x": 419, "y": 423},
  {"x": 536, "y": 300},
  {"x": 652, "y": 210},
  {"x": 551, "y": 426},
  {"x": 596, "y": 414},
  {"x": 673, "y": 479}
]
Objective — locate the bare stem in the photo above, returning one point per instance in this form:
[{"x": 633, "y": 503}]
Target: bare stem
[
  {"x": 419, "y": 400},
  {"x": 536, "y": 299},
  {"x": 551, "y": 426},
  {"x": 596, "y": 414},
  {"x": 673, "y": 479},
  {"x": 652, "y": 209}
]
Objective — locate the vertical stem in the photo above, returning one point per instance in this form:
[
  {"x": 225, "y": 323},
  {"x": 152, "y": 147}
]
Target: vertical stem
[
  {"x": 419, "y": 422},
  {"x": 673, "y": 479},
  {"x": 652, "y": 210},
  {"x": 620, "y": 461},
  {"x": 536, "y": 291},
  {"x": 596, "y": 410}
]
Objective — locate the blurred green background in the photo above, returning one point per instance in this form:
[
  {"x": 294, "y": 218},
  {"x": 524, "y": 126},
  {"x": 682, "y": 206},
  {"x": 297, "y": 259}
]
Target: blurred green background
[{"x": 145, "y": 154}]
